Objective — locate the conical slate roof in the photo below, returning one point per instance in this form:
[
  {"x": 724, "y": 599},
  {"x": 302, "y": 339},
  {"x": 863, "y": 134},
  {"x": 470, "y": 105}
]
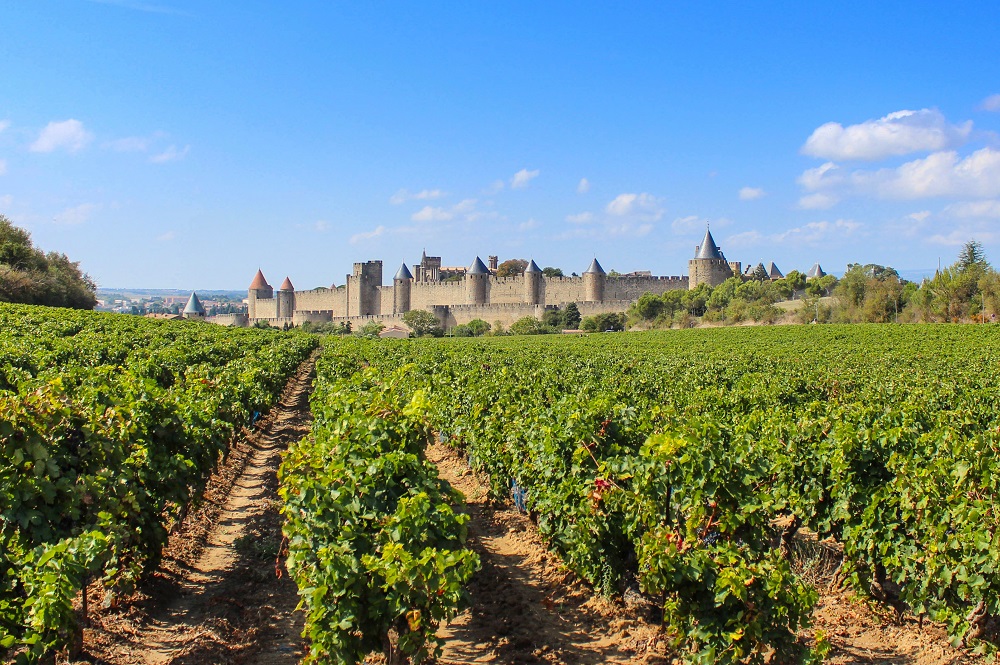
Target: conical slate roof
[
  {"x": 773, "y": 272},
  {"x": 258, "y": 281},
  {"x": 708, "y": 248},
  {"x": 478, "y": 268},
  {"x": 815, "y": 271},
  {"x": 595, "y": 268},
  {"x": 287, "y": 285},
  {"x": 532, "y": 267},
  {"x": 194, "y": 305},
  {"x": 403, "y": 272}
]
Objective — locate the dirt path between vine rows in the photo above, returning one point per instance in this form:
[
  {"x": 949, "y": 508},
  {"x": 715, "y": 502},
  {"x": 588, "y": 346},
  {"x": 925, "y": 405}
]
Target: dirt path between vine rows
[
  {"x": 216, "y": 597},
  {"x": 526, "y": 607}
]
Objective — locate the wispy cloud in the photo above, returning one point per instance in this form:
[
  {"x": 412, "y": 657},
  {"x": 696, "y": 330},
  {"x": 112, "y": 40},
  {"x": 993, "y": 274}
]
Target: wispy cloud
[
  {"x": 367, "y": 235},
  {"x": 644, "y": 206},
  {"x": 404, "y": 195},
  {"x": 528, "y": 225},
  {"x": 522, "y": 178},
  {"x": 580, "y": 218},
  {"x": 583, "y": 187},
  {"x": 495, "y": 188},
  {"x": 171, "y": 154},
  {"x": 4, "y": 124},
  {"x": 143, "y": 7},
  {"x": 75, "y": 215},
  {"x": 812, "y": 233},
  {"x": 66, "y": 134},
  {"x": 432, "y": 214},
  {"x": 687, "y": 224},
  {"x": 321, "y": 226},
  {"x": 940, "y": 174},
  {"x": 989, "y": 209},
  {"x": 991, "y": 103},
  {"x": 165, "y": 237},
  {"x": 899, "y": 133},
  {"x": 751, "y": 193}
]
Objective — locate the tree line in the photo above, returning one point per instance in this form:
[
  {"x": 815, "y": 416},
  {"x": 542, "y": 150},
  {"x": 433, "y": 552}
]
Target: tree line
[{"x": 30, "y": 276}]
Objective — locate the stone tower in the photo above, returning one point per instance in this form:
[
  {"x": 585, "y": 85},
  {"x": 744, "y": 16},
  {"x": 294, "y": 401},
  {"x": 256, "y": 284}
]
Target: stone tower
[
  {"x": 532, "y": 283},
  {"x": 593, "y": 282},
  {"x": 362, "y": 289},
  {"x": 709, "y": 265},
  {"x": 194, "y": 309},
  {"x": 401, "y": 285},
  {"x": 286, "y": 300},
  {"x": 259, "y": 289},
  {"x": 477, "y": 282}
]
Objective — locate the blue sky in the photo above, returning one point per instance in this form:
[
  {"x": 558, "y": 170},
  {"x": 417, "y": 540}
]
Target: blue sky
[{"x": 179, "y": 144}]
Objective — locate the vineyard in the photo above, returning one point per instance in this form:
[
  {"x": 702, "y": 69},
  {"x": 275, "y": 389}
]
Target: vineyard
[
  {"x": 680, "y": 464},
  {"x": 109, "y": 428},
  {"x": 683, "y": 467}
]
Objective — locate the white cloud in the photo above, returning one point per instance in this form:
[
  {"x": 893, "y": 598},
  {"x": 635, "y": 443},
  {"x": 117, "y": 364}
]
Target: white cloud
[
  {"x": 403, "y": 195},
  {"x": 751, "y": 193},
  {"x": 6, "y": 200},
  {"x": 919, "y": 217},
  {"x": 818, "y": 201},
  {"x": 813, "y": 233},
  {"x": 645, "y": 206},
  {"x": 522, "y": 178},
  {"x": 899, "y": 133},
  {"x": 495, "y": 188},
  {"x": 583, "y": 187},
  {"x": 367, "y": 235},
  {"x": 580, "y": 218},
  {"x": 991, "y": 103},
  {"x": 165, "y": 237},
  {"x": 171, "y": 154},
  {"x": 142, "y": 7},
  {"x": 431, "y": 214},
  {"x": 4, "y": 124},
  {"x": 988, "y": 209},
  {"x": 961, "y": 235},
  {"x": 75, "y": 215},
  {"x": 528, "y": 225},
  {"x": 464, "y": 206},
  {"x": 941, "y": 174},
  {"x": 3, "y": 167},
  {"x": 67, "y": 134},
  {"x": 321, "y": 226}
]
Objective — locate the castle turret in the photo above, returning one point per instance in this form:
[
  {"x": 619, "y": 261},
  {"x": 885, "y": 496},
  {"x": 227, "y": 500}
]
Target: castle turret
[
  {"x": 815, "y": 272},
  {"x": 286, "y": 300},
  {"x": 477, "y": 282},
  {"x": 259, "y": 290},
  {"x": 593, "y": 282},
  {"x": 709, "y": 265},
  {"x": 194, "y": 308},
  {"x": 401, "y": 285},
  {"x": 532, "y": 283}
]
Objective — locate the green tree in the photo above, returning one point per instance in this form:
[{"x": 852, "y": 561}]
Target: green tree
[
  {"x": 478, "y": 327},
  {"x": 571, "y": 316},
  {"x": 549, "y": 271},
  {"x": 760, "y": 273},
  {"x": 511, "y": 268},
  {"x": 371, "y": 329},
  {"x": 423, "y": 323},
  {"x": 795, "y": 280},
  {"x": 29, "y": 276},
  {"x": 528, "y": 325},
  {"x": 973, "y": 257}
]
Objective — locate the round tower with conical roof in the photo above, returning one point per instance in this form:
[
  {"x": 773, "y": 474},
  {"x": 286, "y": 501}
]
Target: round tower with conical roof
[
  {"x": 709, "y": 265},
  {"x": 532, "y": 283},
  {"x": 286, "y": 300},
  {"x": 477, "y": 283},
  {"x": 401, "y": 285},
  {"x": 259, "y": 290},
  {"x": 593, "y": 282},
  {"x": 194, "y": 308}
]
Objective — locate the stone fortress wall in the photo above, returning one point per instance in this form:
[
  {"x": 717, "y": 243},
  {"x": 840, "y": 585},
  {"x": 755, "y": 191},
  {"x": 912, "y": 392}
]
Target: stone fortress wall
[{"x": 472, "y": 293}]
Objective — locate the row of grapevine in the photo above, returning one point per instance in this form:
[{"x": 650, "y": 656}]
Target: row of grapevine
[
  {"x": 665, "y": 459},
  {"x": 373, "y": 542},
  {"x": 109, "y": 427}
]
